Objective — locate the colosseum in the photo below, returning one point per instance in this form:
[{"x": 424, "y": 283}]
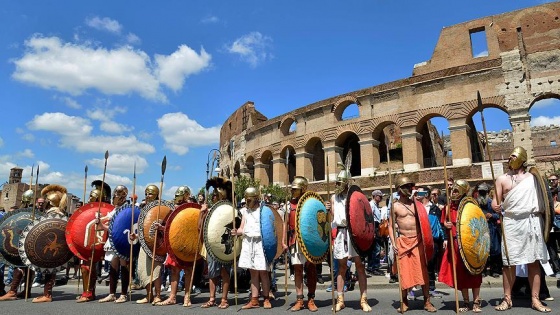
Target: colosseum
[{"x": 392, "y": 132}]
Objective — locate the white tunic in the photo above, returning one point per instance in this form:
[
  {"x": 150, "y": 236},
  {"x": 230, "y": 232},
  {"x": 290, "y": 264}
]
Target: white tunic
[{"x": 252, "y": 252}]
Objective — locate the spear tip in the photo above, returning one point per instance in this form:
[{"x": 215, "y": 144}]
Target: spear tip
[
  {"x": 106, "y": 154},
  {"x": 479, "y": 101},
  {"x": 163, "y": 164}
]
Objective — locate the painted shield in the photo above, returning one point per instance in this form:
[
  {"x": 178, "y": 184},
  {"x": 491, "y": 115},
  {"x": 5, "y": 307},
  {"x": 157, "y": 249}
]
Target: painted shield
[
  {"x": 312, "y": 227},
  {"x": 182, "y": 238},
  {"x": 425, "y": 230},
  {"x": 361, "y": 225},
  {"x": 83, "y": 235},
  {"x": 473, "y": 235},
  {"x": 12, "y": 225},
  {"x": 42, "y": 245},
  {"x": 546, "y": 203},
  {"x": 218, "y": 240},
  {"x": 119, "y": 230},
  {"x": 271, "y": 230},
  {"x": 155, "y": 211}
]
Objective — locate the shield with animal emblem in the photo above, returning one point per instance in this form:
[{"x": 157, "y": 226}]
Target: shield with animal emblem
[
  {"x": 83, "y": 235},
  {"x": 154, "y": 212},
  {"x": 11, "y": 226},
  {"x": 425, "y": 230},
  {"x": 219, "y": 242},
  {"x": 546, "y": 203},
  {"x": 182, "y": 237},
  {"x": 271, "y": 230},
  {"x": 361, "y": 225},
  {"x": 124, "y": 219},
  {"x": 473, "y": 235},
  {"x": 312, "y": 227},
  {"x": 42, "y": 245}
]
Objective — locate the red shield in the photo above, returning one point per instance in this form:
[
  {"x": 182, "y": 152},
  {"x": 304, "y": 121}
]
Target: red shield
[
  {"x": 360, "y": 221},
  {"x": 425, "y": 229},
  {"x": 82, "y": 234}
]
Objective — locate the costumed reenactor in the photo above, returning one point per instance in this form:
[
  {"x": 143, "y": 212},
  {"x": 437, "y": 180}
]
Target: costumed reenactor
[
  {"x": 182, "y": 195},
  {"x": 145, "y": 261},
  {"x": 523, "y": 226},
  {"x": 299, "y": 187},
  {"x": 222, "y": 191},
  {"x": 494, "y": 262},
  {"x": 252, "y": 252},
  {"x": 409, "y": 244},
  {"x": 342, "y": 247},
  {"x": 465, "y": 280},
  {"x": 55, "y": 204},
  {"x": 88, "y": 283},
  {"x": 19, "y": 274},
  {"x": 120, "y": 194}
]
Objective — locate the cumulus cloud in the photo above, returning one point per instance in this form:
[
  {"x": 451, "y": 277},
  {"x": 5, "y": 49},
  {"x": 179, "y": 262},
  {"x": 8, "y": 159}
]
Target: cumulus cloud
[
  {"x": 104, "y": 24},
  {"x": 68, "y": 101},
  {"x": 121, "y": 163},
  {"x": 27, "y": 153},
  {"x": 133, "y": 39},
  {"x": 172, "y": 70},
  {"x": 252, "y": 48},
  {"x": 179, "y": 132},
  {"x": 545, "y": 121},
  {"x": 75, "y": 133},
  {"x": 72, "y": 68},
  {"x": 210, "y": 19},
  {"x": 106, "y": 116}
]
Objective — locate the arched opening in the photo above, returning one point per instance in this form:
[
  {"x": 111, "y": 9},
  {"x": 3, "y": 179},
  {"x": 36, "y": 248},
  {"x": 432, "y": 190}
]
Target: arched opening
[
  {"x": 350, "y": 112},
  {"x": 435, "y": 141},
  {"x": 545, "y": 126},
  {"x": 289, "y": 153},
  {"x": 236, "y": 169},
  {"x": 288, "y": 125},
  {"x": 266, "y": 160},
  {"x": 390, "y": 145},
  {"x": 349, "y": 142},
  {"x": 315, "y": 147},
  {"x": 250, "y": 165},
  {"x": 498, "y": 132},
  {"x": 293, "y": 127}
]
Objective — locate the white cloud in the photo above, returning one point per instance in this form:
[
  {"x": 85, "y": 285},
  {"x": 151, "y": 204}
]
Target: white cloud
[
  {"x": 180, "y": 132},
  {"x": 68, "y": 101},
  {"x": 252, "y": 48},
  {"x": 27, "y": 153},
  {"x": 104, "y": 24},
  {"x": 106, "y": 115},
  {"x": 75, "y": 133},
  {"x": 133, "y": 39},
  {"x": 28, "y": 137},
  {"x": 546, "y": 103},
  {"x": 121, "y": 163},
  {"x": 175, "y": 68},
  {"x": 210, "y": 19},
  {"x": 73, "y": 68},
  {"x": 545, "y": 121}
]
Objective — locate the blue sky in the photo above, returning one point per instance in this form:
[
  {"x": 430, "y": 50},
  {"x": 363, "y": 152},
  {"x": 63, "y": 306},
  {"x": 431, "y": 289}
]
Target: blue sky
[{"x": 145, "y": 79}]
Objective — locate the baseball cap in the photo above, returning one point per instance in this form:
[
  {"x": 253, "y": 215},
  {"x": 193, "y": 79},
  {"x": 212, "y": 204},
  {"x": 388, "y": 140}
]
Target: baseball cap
[{"x": 376, "y": 192}]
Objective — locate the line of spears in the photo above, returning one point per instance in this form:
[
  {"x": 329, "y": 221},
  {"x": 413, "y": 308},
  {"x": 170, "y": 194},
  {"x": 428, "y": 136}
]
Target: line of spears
[{"x": 178, "y": 234}]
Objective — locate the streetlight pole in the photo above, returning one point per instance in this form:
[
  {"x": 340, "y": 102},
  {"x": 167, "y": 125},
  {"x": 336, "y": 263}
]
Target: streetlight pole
[{"x": 216, "y": 156}]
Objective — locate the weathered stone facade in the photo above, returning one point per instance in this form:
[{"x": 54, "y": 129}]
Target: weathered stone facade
[{"x": 522, "y": 67}]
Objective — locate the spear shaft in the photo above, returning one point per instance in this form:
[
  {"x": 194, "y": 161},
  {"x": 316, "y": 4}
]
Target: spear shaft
[
  {"x": 163, "y": 167},
  {"x": 132, "y": 209},
  {"x": 32, "y": 219}
]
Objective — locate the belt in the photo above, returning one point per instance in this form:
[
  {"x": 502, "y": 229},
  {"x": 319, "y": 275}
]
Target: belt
[{"x": 253, "y": 238}]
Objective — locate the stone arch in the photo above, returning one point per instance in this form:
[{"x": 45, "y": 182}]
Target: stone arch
[
  {"x": 350, "y": 141},
  {"x": 289, "y": 152},
  {"x": 237, "y": 169},
  {"x": 544, "y": 136},
  {"x": 431, "y": 142},
  {"x": 266, "y": 160},
  {"x": 477, "y": 141},
  {"x": 250, "y": 166},
  {"x": 388, "y": 131},
  {"x": 314, "y": 146},
  {"x": 544, "y": 96},
  {"x": 286, "y": 123},
  {"x": 341, "y": 105}
]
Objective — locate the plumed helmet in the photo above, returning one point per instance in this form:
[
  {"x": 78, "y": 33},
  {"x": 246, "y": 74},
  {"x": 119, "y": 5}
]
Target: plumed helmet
[
  {"x": 222, "y": 186},
  {"x": 403, "y": 180},
  {"x": 251, "y": 192},
  {"x": 300, "y": 182},
  {"x": 343, "y": 176},
  {"x": 104, "y": 187},
  {"x": 521, "y": 158},
  {"x": 27, "y": 196},
  {"x": 462, "y": 187},
  {"x": 55, "y": 195}
]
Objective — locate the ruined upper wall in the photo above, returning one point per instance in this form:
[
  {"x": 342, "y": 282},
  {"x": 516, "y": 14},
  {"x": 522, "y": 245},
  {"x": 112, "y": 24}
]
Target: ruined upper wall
[
  {"x": 522, "y": 29},
  {"x": 244, "y": 117}
]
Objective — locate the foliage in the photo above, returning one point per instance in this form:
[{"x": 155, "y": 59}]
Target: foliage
[
  {"x": 242, "y": 182},
  {"x": 278, "y": 193}
]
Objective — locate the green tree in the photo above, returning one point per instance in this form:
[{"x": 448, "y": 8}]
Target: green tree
[
  {"x": 278, "y": 193},
  {"x": 241, "y": 183}
]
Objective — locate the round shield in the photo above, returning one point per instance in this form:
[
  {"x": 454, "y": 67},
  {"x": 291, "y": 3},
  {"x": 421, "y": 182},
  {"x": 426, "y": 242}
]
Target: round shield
[
  {"x": 546, "y": 203},
  {"x": 361, "y": 225},
  {"x": 83, "y": 236},
  {"x": 217, "y": 232},
  {"x": 119, "y": 231},
  {"x": 271, "y": 222},
  {"x": 312, "y": 227},
  {"x": 473, "y": 235},
  {"x": 42, "y": 245},
  {"x": 11, "y": 226},
  {"x": 182, "y": 238},
  {"x": 155, "y": 211},
  {"x": 425, "y": 230}
]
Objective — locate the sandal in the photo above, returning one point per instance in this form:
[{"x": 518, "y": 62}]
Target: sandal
[
  {"x": 505, "y": 305},
  {"x": 187, "y": 302},
  {"x": 157, "y": 300},
  {"x": 404, "y": 308},
  {"x": 210, "y": 303},
  {"x": 476, "y": 306},
  {"x": 223, "y": 304},
  {"x": 465, "y": 308},
  {"x": 166, "y": 302},
  {"x": 539, "y": 307},
  {"x": 429, "y": 307}
]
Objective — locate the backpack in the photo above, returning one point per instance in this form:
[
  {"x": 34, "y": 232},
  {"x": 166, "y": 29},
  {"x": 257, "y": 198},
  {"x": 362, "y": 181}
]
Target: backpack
[{"x": 437, "y": 231}]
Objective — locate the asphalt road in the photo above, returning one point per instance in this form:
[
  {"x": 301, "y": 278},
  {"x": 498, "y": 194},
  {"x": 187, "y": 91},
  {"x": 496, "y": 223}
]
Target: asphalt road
[{"x": 383, "y": 301}]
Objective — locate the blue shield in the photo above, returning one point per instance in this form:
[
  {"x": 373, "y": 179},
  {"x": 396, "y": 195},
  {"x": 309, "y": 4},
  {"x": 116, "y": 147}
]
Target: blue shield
[
  {"x": 119, "y": 230},
  {"x": 269, "y": 231},
  {"x": 312, "y": 227}
]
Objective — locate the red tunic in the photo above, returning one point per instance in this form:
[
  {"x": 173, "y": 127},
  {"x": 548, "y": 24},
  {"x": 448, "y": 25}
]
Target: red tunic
[{"x": 465, "y": 280}]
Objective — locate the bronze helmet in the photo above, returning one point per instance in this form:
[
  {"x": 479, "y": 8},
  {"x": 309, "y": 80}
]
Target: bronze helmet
[
  {"x": 251, "y": 197},
  {"x": 299, "y": 186},
  {"x": 182, "y": 194},
  {"x": 152, "y": 193},
  {"x": 55, "y": 197},
  {"x": 103, "y": 191},
  {"x": 521, "y": 158},
  {"x": 27, "y": 196},
  {"x": 401, "y": 181},
  {"x": 460, "y": 189},
  {"x": 119, "y": 195}
]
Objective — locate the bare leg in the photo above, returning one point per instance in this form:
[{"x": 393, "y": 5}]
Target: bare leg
[
  {"x": 298, "y": 279},
  {"x": 174, "y": 283},
  {"x": 362, "y": 279},
  {"x": 342, "y": 266}
]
